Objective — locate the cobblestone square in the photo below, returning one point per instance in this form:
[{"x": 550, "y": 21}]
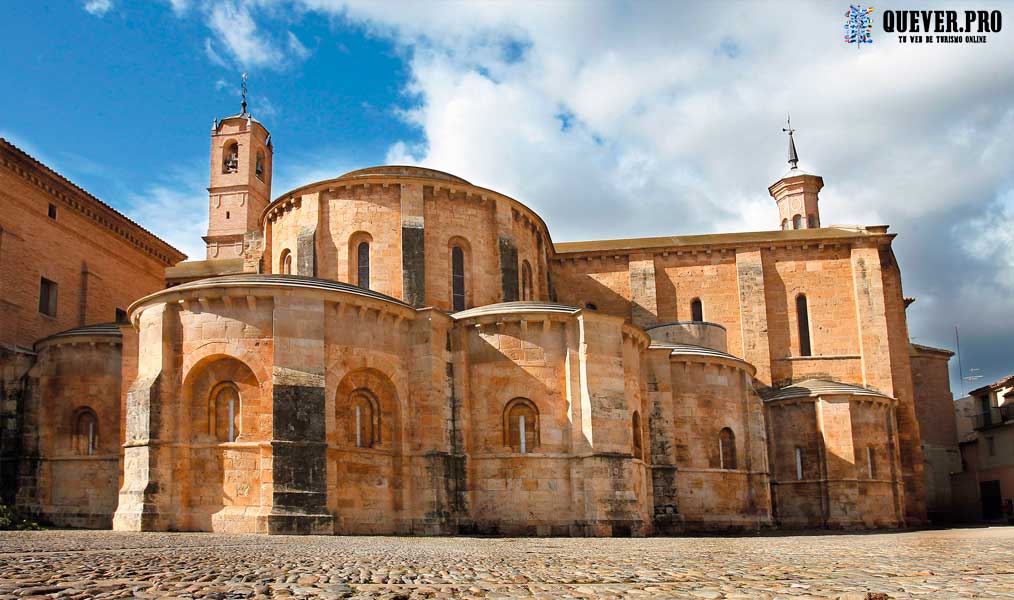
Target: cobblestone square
[{"x": 965, "y": 563}]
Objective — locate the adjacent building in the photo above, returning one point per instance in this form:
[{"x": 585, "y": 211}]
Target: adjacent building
[
  {"x": 68, "y": 262},
  {"x": 985, "y": 424}
]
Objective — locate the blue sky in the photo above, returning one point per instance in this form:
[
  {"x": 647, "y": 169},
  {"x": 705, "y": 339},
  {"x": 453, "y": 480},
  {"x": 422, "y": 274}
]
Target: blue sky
[
  {"x": 92, "y": 88},
  {"x": 610, "y": 119}
]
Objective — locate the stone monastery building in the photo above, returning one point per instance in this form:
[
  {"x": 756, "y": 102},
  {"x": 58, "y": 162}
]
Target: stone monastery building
[{"x": 397, "y": 350}]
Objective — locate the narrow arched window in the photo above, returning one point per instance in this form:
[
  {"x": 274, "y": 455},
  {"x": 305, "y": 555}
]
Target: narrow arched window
[
  {"x": 457, "y": 278},
  {"x": 365, "y": 422},
  {"x": 803, "y": 322},
  {"x": 871, "y": 463},
  {"x": 521, "y": 425},
  {"x": 635, "y": 425},
  {"x": 86, "y": 432},
  {"x": 785, "y": 223},
  {"x": 260, "y": 165},
  {"x": 799, "y": 463},
  {"x": 225, "y": 413},
  {"x": 696, "y": 310},
  {"x": 230, "y": 158},
  {"x": 363, "y": 265},
  {"x": 526, "y": 281},
  {"x": 285, "y": 262},
  {"x": 797, "y": 222},
  {"x": 727, "y": 448},
  {"x": 811, "y": 222}
]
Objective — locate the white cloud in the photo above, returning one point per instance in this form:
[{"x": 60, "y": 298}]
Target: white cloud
[
  {"x": 297, "y": 48},
  {"x": 213, "y": 55},
  {"x": 179, "y": 7},
  {"x": 234, "y": 26},
  {"x": 176, "y": 211},
  {"x": 98, "y": 7},
  {"x": 622, "y": 120}
]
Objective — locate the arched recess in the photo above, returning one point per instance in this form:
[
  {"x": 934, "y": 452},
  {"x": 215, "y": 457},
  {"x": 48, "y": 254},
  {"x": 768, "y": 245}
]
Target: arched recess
[
  {"x": 527, "y": 283},
  {"x": 223, "y": 475},
  {"x": 285, "y": 262},
  {"x": 86, "y": 431},
  {"x": 521, "y": 426},
  {"x": 696, "y": 310},
  {"x": 637, "y": 434},
  {"x": 363, "y": 387},
  {"x": 364, "y": 453},
  {"x": 230, "y": 156},
  {"x": 727, "y": 449},
  {"x": 797, "y": 222},
  {"x": 360, "y": 266},
  {"x": 460, "y": 283}
]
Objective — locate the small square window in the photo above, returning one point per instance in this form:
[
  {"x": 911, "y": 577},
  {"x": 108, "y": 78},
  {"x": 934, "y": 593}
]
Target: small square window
[
  {"x": 47, "y": 297},
  {"x": 121, "y": 315},
  {"x": 52, "y": 211}
]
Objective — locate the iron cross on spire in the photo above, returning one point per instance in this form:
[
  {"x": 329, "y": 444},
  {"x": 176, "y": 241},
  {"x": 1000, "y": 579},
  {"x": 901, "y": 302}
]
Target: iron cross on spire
[
  {"x": 244, "y": 94},
  {"x": 793, "y": 157}
]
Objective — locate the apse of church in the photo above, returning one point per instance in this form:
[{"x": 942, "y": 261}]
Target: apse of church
[{"x": 397, "y": 350}]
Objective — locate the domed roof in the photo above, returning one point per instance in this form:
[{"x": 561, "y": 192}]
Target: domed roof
[{"x": 404, "y": 171}]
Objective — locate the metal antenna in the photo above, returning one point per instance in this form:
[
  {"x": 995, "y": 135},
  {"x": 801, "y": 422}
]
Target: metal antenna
[
  {"x": 961, "y": 372},
  {"x": 793, "y": 157},
  {"x": 244, "y": 95}
]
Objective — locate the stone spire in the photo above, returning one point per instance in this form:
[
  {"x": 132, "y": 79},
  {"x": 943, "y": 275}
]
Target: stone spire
[
  {"x": 793, "y": 157},
  {"x": 243, "y": 112},
  {"x": 796, "y": 192}
]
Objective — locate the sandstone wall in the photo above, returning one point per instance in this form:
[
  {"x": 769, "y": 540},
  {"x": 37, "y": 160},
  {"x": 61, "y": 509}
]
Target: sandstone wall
[{"x": 70, "y": 463}]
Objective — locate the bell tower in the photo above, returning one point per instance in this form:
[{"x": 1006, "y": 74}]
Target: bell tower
[
  {"x": 240, "y": 186},
  {"x": 796, "y": 192}
]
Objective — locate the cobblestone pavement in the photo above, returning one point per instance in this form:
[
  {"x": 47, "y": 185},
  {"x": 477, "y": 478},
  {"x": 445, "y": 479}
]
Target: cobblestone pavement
[{"x": 969, "y": 563}]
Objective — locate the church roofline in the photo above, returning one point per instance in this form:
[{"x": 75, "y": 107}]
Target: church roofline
[
  {"x": 59, "y": 187},
  {"x": 820, "y": 235},
  {"x": 921, "y": 349}
]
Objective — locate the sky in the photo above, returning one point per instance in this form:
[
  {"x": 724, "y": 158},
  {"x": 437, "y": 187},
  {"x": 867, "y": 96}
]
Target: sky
[{"x": 609, "y": 119}]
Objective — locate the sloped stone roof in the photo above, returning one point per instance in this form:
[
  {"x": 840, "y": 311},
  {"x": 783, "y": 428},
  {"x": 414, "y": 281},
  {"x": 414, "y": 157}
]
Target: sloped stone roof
[
  {"x": 98, "y": 329},
  {"x": 298, "y": 281},
  {"x": 820, "y": 387},
  {"x": 515, "y": 307}
]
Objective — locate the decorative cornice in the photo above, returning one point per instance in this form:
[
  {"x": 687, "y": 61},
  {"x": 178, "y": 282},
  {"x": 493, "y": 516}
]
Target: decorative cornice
[{"x": 59, "y": 187}]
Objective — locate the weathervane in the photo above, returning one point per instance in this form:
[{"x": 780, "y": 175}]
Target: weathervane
[
  {"x": 244, "y": 94},
  {"x": 793, "y": 157}
]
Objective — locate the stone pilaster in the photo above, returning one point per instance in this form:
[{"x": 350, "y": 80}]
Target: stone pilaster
[
  {"x": 661, "y": 443},
  {"x": 145, "y": 500},
  {"x": 839, "y": 486},
  {"x": 643, "y": 301},
  {"x": 753, "y": 312},
  {"x": 508, "y": 252},
  {"x": 298, "y": 444},
  {"x": 885, "y": 368},
  {"x": 413, "y": 249}
]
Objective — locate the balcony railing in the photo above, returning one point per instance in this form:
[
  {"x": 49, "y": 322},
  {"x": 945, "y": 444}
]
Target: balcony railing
[{"x": 995, "y": 416}]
